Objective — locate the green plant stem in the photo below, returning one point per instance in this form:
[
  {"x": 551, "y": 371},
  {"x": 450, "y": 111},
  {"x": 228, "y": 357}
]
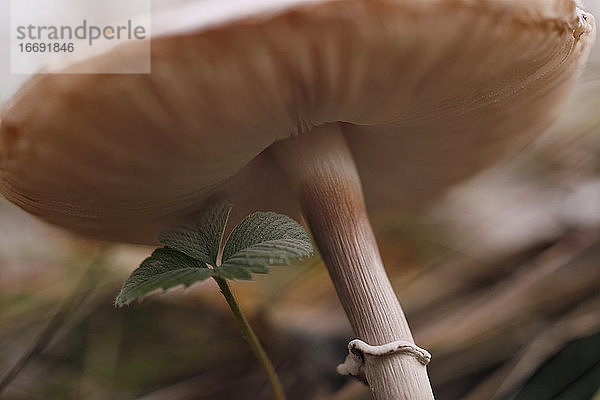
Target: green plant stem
[{"x": 252, "y": 339}]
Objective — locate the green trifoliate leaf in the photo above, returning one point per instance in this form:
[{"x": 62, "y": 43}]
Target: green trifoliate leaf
[
  {"x": 201, "y": 238},
  {"x": 233, "y": 273},
  {"x": 261, "y": 240},
  {"x": 164, "y": 269}
]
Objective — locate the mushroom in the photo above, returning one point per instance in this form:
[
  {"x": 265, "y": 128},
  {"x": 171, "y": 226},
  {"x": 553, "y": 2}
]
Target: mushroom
[{"x": 340, "y": 110}]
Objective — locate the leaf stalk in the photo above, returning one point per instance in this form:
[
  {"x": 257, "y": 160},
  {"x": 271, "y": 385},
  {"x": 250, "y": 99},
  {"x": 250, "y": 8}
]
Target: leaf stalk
[{"x": 252, "y": 339}]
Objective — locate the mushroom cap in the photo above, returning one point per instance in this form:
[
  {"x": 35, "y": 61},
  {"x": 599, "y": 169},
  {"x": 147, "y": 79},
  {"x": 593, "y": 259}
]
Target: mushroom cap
[{"x": 428, "y": 92}]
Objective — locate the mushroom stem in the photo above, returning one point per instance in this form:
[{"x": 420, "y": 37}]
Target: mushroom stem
[{"x": 320, "y": 166}]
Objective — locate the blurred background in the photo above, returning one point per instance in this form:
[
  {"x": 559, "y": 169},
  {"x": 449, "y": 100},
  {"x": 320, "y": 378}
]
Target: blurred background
[{"x": 500, "y": 280}]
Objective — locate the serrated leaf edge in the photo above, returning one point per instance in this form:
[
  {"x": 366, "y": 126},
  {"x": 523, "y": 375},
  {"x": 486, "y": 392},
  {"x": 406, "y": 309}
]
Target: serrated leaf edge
[{"x": 161, "y": 290}]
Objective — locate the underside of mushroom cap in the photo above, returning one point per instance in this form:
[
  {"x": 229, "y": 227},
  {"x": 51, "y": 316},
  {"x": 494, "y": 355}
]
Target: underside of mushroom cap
[{"x": 428, "y": 92}]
